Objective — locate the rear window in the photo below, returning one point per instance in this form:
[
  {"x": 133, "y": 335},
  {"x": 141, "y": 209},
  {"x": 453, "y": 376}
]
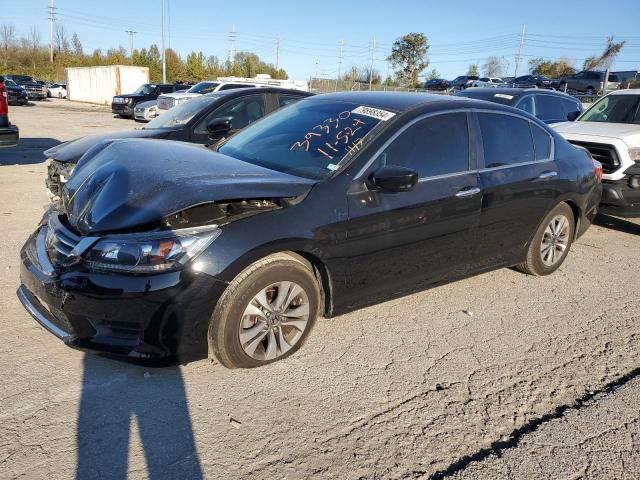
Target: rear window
[
  {"x": 541, "y": 142},
  {"x": 506, "y": 140}
]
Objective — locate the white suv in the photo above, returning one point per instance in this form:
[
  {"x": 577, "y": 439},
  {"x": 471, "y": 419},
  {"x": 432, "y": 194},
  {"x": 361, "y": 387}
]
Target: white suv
[
  {"x": 170, "y": 100},
  {"x": 610, "y": 130}
]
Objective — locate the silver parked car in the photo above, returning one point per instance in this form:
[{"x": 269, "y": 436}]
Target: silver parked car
[{"x": 145, "y": 111}]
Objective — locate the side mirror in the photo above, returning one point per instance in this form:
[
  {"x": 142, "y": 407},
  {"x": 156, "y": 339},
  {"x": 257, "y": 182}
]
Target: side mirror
[
  {"x": 393, "y": 179},
  {"x": 571, "y": 116},
  {"x": 218, "y": 127}
]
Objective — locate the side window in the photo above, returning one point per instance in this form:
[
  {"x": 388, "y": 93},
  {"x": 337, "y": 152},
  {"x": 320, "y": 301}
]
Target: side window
[
  {"x": 437, "y": 145},
  {"x": 284, "y": 100},
  {"x": 549, "y": 108},
  {"x": 506, "y": 139},
  {"x": 165, "y": 89},
  {"x": 541, "y": 142},
  {"x": 241, "y": 111},
  {"x": 527, "y": 105}
]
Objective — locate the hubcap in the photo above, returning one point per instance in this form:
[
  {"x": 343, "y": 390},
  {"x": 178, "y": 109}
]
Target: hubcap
[
  {"x": 274, "y": 321},
  {"x": 555, "y": 240}
]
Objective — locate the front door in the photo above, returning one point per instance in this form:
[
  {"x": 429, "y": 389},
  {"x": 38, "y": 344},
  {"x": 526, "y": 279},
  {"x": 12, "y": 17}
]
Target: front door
[{"x": 396, "y": 241}]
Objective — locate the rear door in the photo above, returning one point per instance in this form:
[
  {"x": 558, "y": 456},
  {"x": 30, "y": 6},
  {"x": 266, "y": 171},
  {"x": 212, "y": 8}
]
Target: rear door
[
  {"x": 395, "y": 240},
  {"x": 518, "y": 177}
]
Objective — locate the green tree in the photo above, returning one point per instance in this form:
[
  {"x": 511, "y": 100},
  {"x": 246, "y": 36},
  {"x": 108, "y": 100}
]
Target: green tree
[
  {"x": 473, "y": 70},
  {"x": 433, "y": 74},
  {"x": 409, "y": 57},
  {"x": 551, "y": 69},
  {"x": 195, "y": 69}
]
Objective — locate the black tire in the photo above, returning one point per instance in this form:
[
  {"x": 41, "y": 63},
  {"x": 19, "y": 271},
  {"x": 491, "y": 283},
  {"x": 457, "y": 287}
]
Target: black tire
[
  {"x": 562, "y": 86},
  {"x": 591, "y": 91},
  {"x": 534, "y": 263},
  {"x": 225, "y": 324}
]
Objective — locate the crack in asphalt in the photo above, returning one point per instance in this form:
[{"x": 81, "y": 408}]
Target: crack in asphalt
[{"x": 499, "y": 446}]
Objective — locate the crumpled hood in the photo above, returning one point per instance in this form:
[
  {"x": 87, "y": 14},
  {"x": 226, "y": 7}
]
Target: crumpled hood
[
  {"x": 129, "y": 184},
  {"x": 70, "y": 152}
]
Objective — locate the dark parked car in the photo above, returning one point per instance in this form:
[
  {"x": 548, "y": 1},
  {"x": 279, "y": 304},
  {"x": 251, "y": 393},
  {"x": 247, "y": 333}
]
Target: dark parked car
[
  {"x": 547, "y": 105},
  {"x": 9, "y": 134},
  {"x": 437, "y": 84},
  {"x": 204, "y": 119},
  {"x": 531, "y": 81},
  {"x": 462, "y": 82},
  {"x": 165, "y": 250},
  {"x": 123, "y": 105},
  {"x": 588, "y": 81},
  {"x": 16, "y": 95},
  {"x": 35, "y": 90}
]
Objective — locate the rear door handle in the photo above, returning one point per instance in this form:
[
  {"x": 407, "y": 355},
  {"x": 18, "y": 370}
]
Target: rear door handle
[
  {"x": 468, "y": 192},
  {"x": 547, "y": 175}
]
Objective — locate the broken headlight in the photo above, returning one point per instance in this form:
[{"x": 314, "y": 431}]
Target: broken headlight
[{"x": 148, "y": 253}]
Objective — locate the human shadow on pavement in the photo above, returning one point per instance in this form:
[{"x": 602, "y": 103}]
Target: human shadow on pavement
[
  {"x": 113, "y": 395},
  {"x": 619, "y": 224},
  {"x": 28, "y": 151}
]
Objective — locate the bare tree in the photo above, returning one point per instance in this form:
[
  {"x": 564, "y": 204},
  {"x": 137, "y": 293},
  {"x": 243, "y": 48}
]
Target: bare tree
[
  {"x": 494, "y": 67},
  {"x": 7, "y": 40},
  {"x": 34, "y": 45},
  {"x": 77, "y": 45},
  {"x": 61, "y": 41},
  {"x": 607, "y": 57}
]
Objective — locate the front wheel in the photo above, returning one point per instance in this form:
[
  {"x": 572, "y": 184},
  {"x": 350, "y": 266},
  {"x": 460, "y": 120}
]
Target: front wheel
[
  {"x": 265, "y": 313},
  {"x": 551, "y": 243}
]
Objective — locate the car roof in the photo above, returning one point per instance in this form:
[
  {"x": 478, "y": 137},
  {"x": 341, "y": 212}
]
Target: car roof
[
  {"x": 396, "y": 101},
  {"x": 244, "y": 91},
  {"x": 629, "y": 91},
  {"x": 514, "y": 92}
]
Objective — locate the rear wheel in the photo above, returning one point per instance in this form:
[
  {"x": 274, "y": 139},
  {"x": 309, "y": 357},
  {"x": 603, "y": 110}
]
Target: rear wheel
[
  {"x": 591, "y": 91},
  {"x": 551, "y": 243},
  {"x": 265, "y": 313}
]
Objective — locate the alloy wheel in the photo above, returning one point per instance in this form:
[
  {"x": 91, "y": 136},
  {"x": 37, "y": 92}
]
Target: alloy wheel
[
  {"x": 274, "y": 321},
  {"x": 555, "y": 240}
]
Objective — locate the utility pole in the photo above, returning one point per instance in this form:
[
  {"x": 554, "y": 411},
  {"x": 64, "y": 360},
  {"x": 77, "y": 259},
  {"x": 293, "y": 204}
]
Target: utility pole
[
  {"x": 232, "y": 44},
  {"x": 519, "y": 57},
  {"x": 277, "y": 53},
  {"x": 340, "y": 59},
  {"x": 131, "y": 34},
  {"x": 373, "y": 57},
  {"x": 164, "y": 56},
  {"x": 52, "y": 21}
]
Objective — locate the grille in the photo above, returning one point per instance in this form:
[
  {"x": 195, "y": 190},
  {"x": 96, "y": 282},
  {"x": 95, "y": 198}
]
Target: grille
[
  {"x": 59, "y": 242},
  {"x": 165, "y": 103},
  {"x": 605, "y": 154}
]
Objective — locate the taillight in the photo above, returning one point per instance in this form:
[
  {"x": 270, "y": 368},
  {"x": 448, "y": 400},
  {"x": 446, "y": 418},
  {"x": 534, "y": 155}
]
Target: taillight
[
  {"x": 597, "y": 169},
  {"x": 4, "y": 107}
]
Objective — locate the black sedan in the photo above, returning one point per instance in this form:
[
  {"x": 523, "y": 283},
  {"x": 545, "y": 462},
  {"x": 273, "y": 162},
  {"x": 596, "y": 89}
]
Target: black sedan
[
  {"x": 165, "y": 250},
  {"x": 547, "y": 105},
  {"x": 204, "y": 119},
  {"x": 534, "y": 81},
  {"x": 16, "y": 94},
  {"x": 437, "y": 84},
  {"x": 123, "y": 105}
]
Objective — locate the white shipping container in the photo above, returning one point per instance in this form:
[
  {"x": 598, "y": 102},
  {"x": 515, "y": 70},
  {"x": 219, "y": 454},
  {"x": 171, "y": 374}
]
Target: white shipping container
[{"x": 99, "y": 84}]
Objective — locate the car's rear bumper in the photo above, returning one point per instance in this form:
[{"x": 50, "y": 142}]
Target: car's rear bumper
[{"x": 9, "y": 136}]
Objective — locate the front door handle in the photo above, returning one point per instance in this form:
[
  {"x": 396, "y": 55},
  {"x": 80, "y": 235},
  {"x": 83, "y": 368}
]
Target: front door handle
[
  {"x": 547, "y": 175},
  {"x": 468, "y": 192}
]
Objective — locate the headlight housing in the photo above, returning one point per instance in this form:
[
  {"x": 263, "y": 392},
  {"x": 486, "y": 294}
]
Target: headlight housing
[
  {"x": 634, "y": 153},
  {"x": 148, "y": 253}
]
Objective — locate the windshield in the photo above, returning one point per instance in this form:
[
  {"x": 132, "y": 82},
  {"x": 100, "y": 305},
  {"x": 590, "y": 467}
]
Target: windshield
[
  {"x": 182, "y": 113},
  {"x": 10, "y": 82},
  {"x": 308, "y": 139},
  {"x": 203, "y": 87},
  {"x": 614, "y": 109},
  {"x": 146, "y": 89}
]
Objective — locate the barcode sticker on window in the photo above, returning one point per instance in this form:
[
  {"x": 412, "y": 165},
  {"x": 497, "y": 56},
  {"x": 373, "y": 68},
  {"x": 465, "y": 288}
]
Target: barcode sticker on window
[{"x": 374, "y": 113}]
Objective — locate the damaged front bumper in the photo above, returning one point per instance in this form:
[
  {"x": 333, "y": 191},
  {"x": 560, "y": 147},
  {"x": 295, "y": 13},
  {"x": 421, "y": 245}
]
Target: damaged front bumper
[
  {"x": 57, "y": 175},
  {"x": 160, "y": 318}
]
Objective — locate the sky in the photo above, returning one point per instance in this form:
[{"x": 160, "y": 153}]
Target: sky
[{"x": 460, "y": 33}]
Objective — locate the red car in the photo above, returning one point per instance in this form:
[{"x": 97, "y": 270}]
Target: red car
[{"x": 9, "y": 134}]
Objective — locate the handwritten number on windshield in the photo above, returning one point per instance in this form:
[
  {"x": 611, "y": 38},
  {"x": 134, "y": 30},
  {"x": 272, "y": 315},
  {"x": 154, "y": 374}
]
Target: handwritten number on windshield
[{"x": 326, "y": 130}]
